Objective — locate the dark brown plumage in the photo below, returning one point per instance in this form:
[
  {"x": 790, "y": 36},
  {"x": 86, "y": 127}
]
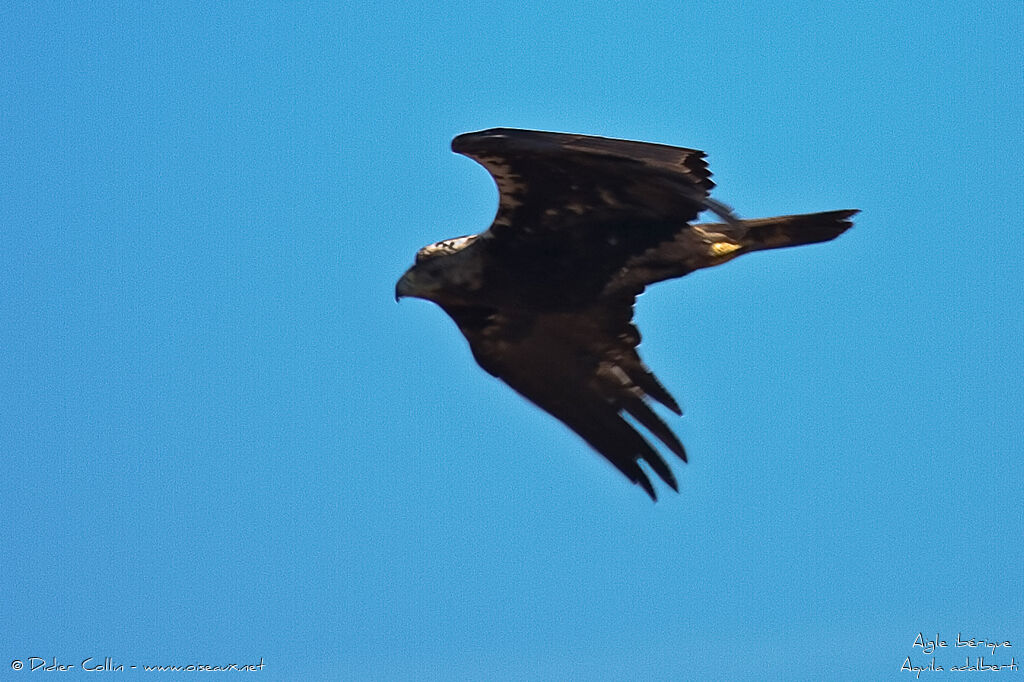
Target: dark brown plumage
[{"x": 545, "y": 296}]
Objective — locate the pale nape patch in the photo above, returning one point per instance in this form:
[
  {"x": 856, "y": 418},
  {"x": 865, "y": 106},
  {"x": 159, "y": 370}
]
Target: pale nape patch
[{"x": 445, "y": 247}]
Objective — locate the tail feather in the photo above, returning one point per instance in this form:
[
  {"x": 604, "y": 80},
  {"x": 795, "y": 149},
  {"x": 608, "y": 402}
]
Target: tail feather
[
  {"x": 795, "y": 230},
  {"x": 709, "y": 244}
]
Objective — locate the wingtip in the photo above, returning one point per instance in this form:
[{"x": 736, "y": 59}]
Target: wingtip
[
  {"x": 645, "y": 483},
  {"x": 673, "y": 483}
]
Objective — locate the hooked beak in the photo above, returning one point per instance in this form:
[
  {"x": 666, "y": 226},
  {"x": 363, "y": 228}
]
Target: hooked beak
[
  {"x": 415, "y": 284},
  {"x": 403, "y": 287}
]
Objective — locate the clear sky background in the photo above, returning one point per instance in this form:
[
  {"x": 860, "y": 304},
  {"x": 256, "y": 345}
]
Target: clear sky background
[{"x": 223, "y": 441}]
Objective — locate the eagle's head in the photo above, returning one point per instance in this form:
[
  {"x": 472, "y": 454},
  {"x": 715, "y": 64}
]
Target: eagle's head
[{"x": 445, "y": 272}]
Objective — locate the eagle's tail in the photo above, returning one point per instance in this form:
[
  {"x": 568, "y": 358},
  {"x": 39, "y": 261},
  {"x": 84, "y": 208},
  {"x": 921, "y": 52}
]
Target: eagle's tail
[
  {"x": 710, "y": 244},
  {"x": 794, "y": 230}
]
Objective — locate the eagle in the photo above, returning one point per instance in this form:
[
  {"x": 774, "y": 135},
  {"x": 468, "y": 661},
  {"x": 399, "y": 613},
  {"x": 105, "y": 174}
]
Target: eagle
[{"x": 545, "y": 296}]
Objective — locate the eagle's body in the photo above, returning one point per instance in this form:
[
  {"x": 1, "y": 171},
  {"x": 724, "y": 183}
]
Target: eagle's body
[{"x": 545, "y": 296}]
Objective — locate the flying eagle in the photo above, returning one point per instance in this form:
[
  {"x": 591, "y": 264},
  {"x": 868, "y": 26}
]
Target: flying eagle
[{"x": 545, "y": 296}]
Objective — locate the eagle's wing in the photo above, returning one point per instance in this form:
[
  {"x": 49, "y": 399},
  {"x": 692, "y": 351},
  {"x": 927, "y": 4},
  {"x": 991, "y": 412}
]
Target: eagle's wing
[
  {"x": 583, "y": 368},
  {"x": 581, "y": 365},
  {"x": 579, "y": 189}
]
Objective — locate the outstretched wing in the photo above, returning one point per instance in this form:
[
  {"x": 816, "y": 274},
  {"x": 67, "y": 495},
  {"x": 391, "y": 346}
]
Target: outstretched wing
[
  {"x": 580, "y": 190},
  {"x": 582, "y": 367},
  {"x": 581, "y": 364}
]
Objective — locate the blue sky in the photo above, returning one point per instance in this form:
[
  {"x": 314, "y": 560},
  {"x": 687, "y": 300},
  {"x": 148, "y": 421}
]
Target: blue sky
[{"x": 224, "y": 442}]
